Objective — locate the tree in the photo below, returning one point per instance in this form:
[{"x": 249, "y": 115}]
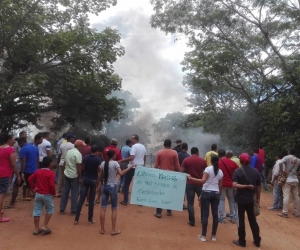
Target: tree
[
  {"x": 51, "y": 60},
  {"x": 245, "y": 54}
]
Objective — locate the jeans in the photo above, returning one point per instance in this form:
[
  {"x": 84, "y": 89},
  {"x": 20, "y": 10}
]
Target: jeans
[
  {"x": 191, "y": 190},
  {"x": 121, "y": 182},
  {"x": 242, "y": 208},
  {"x": 209, "y": 198},
  {"x": 109, "y": 191},
  {"x": 41, "y": 200},
  {"x": 229, "y": 193},
  {"x": 288, "y": 189},
  {"x": 87, "y": 184},
  {"x": 61, "y": 177},
  {"x": 278, "y": 196},
  {"x": 128, "y": 178},
  {"x": 57, "y": 174},
  {"x": 159, "y": 210},
  {"x": 73, "y": 185},
  {"x": 263, "y": 177}
]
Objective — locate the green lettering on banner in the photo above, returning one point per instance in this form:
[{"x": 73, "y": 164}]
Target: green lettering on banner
[{"x": 158, "y": 188}]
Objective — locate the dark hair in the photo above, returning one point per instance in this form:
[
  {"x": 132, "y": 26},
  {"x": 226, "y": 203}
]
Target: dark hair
[
  {"x": 22, "y": 132},
  {"x": 87, "y": 140},
  {"x": 214, "y": 146},
  {"x": 221, "y": 153},
  {"x": 136, "y": 137},
  {"x": 94, "y": 148},
  {"x": 280, "y": 155},
  {"x": 255, "y": 150},
  {"x": 44, "y": 134},
  {"x": 64, "y": 135},
  {"x": 184, "y": 146},
  {"x": 194, "y": 150},
  {"x": 110, "y": 155},
  {"x": 4, "y": 138},
  {"x": 37, "y": 137},
  {"x": 167, "y": 143},
  {"x": 22, "y": 140},
  {"x": 46, "y": 161},
  {"x": 292, "y": 151},
  {"x": 128, "y": 142},
  {"x": 215, "y": 163}
]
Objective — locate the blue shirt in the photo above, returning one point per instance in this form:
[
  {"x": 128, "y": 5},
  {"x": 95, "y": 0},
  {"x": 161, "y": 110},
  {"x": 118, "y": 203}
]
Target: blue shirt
[
  {"x": 91, "y": 165},
  {"x": 256, "y": 162},
  {"x": 31, "y": 154},
  {"x": 181, "y": 156},
  {"x": 125, "y": 151}
]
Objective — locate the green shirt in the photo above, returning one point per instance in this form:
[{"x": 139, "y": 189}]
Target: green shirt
[
  {"x": 72, "y": 158},
  {"x": 236, "y": 160}
]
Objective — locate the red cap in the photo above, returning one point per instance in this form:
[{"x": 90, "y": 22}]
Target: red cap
[
  {"x": 79, "y": 143},
  {"x": 244, "y": 158}
]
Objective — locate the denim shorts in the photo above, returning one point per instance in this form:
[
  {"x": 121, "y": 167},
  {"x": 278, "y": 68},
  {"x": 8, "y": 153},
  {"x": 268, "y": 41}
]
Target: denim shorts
[
  {"x": 109, "y": 191},
  {"x": 4, "y": 183},
  {"x": 43, "y": 200}
]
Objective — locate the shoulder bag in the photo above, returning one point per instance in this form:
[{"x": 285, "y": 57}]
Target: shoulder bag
[{"x": 282, "y": 177}]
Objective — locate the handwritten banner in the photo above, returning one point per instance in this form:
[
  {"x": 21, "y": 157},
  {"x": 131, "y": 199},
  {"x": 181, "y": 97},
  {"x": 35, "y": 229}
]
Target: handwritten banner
[{"x": 158, "y": 188}]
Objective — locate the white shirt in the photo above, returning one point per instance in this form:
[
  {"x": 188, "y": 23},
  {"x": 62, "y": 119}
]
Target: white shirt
[
  {"x": 292, "y": 163},
  {"x": 276, "y": 170},
  {"x": 138, "y": 150},
  {"x": 63, "y": 149},
  {"x": 43, "y": 148},
  {"x": 212, "y": 183}
]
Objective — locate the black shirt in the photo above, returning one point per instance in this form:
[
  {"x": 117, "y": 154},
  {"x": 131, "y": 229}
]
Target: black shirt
[
  {"x": 181, "y": 156},
  {"x": 91, "y": 165},
  {"x": 245, "y": 196},
  {"x": 177, "y": 148}
]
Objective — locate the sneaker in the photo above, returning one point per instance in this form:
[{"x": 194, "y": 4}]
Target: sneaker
[
  {"x": 191, "y": 224},
  {"x": 184, "y": 207},
  {"x": 61, "y": 212},
  {"x": 273, "y": 208},
  {"x": 236, "y": 242},
  {"x": 213, "y": 238},
  {"x": 157, "y": 215},
  {"x": 296, "y": 215},
  {"x": 169, "y": 213},
  {"x": 283, "y": 215},
  {"x": 256, "y": 244},
  {"x": 202, "y": 238}
]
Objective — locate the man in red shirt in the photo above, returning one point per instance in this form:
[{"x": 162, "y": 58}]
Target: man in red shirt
[
  {"x": 261, "y": 154},
  {"x": 43, "y": 184},
  {"x": 113, "y": 146},
  {"x": 194, "y": 166},
  {"x": 166, "y": 159},
  {"x": 227, "y": 166}
]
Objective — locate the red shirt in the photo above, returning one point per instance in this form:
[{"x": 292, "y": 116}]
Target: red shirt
[
  {"x": 227, "y": 172},
  {"x": 261, "y": 154},
  {"x": 43, "y": 181},
  {"x": 195, "y": 166},
  {"x": 5, "y": 167},
  {"x": 86, "y": 151},
  {"x": 114, "y": 148},
  {"x": 167, "y": 159}
]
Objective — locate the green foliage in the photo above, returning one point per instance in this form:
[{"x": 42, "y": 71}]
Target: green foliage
[{"x": 51, "y": 60}]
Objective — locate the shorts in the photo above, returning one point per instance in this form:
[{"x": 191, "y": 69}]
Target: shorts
[
  {"x": 109, "y": 191},
  {"x": 43, "y": 200},
  {"x": 26, "y": 176},
  {"x": 14, "y": 180},
  {"x": 4, "y": 183}
]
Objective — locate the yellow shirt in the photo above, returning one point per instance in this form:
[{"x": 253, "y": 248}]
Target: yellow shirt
[{"x": 208, "y": 157}]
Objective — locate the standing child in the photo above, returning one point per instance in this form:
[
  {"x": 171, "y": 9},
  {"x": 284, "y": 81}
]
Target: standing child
[{"x": 43, "y": 184}]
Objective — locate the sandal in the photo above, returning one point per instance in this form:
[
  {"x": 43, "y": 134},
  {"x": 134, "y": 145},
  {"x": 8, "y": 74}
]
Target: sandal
[
  {"x": 4, "y": 219},
  {"x": 8, "y": 207},
  {"x": 46, "y": 231},
  {"x": 118, "y": 232},
  {"x": 37, "y": 232},
  {"x": 123, "y": 203},
  {"x": 97, "y": 202}
]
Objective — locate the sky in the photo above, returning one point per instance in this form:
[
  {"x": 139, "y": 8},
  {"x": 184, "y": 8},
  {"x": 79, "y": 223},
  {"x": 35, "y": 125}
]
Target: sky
[{"x": 150, "y": 68}]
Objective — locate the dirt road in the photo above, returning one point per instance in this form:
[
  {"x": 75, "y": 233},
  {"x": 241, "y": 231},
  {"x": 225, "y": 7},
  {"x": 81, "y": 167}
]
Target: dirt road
[{"x": 141, "y": 230}]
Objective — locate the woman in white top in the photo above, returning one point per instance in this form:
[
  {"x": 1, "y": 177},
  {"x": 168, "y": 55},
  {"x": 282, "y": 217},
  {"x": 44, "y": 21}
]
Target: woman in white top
[
  {"x": 108, "y": 174},
  {"x": 212, "y": 180}
]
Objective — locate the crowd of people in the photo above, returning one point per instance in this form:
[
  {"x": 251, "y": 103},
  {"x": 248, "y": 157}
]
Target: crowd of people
[{"x": 90, "y": 176}]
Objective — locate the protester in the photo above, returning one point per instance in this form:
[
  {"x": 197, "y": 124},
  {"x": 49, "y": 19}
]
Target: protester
[
  {"x": 228, "y": 167},
  {"x": 290, "y": 164},
  {"x": 210, "y": 153},
  {"x": 194, "y": 166},
  {"x": 44, "y": 147},
  {"x": 108, "y": 172},
  {"x": 166, "y": 159},
  {"x": 125, "y": 153},
  {"x": 277, "y": 189},
  {"x": 29, "y": 155},
  {"x": 37, "y": 140},
  {"x": 247, "y": 182},
  {"x": 63, "y": 149},
  {"x": 183, "y": 154},
  {"x": 212, "y": 186},
  {"x": 43, "y": 183},
  {"x": 137, "y": 157},
  {"x": 72, "y": 177},
  {"x": 8, "y": 166},
  {"x": 113, "y": 146},
  {"x": 60, "y": 141},
  {"x": 261, "y": 154},
  {"x": 91, "y": 166},
  {"x": 87, "y": 149},
  {"x": 229, "y": 155},
  {"x": 178, "y": 145}
]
